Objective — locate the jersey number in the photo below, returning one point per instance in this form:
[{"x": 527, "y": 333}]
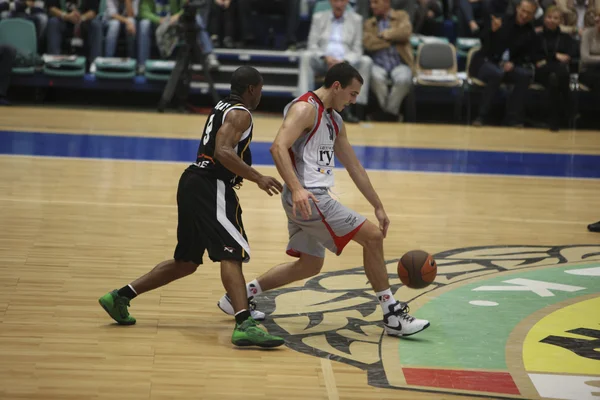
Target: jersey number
[{"x": 208, "y": 129}]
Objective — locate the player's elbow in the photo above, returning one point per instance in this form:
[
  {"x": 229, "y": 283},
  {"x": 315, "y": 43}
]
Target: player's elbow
[
  {"x": 275, "y": 149},
  {"x": 221, "y": 153}
]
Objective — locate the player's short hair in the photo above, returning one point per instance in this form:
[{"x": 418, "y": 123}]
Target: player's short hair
[
  {"x": 343, "y": 73},
  {"x": 243, "y": 77}
]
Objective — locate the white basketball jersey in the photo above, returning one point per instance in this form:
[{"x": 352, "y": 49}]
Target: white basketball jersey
[{"x": 312, "y": 153}]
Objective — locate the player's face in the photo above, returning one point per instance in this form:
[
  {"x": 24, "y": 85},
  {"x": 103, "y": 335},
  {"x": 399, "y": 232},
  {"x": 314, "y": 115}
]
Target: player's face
[
  {"x": 346, "y": 96},
  {"x": 552, "y": 20},
  {"x": 256, "y": 94}
]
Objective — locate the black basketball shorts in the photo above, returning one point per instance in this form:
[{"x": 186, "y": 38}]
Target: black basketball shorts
[{"x": 209, "y": 218}]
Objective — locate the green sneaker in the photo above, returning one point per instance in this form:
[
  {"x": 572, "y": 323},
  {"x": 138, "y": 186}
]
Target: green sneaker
[
  {"x": 116, "y": 307},
  {"x": 249, "y": 334}
]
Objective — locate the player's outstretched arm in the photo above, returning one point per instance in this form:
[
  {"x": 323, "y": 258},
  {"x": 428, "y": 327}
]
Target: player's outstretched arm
[
  {"x": 345, "y": 153},
  {"x": 235, "y": 124},
  {"x": 299, "y": 119}
]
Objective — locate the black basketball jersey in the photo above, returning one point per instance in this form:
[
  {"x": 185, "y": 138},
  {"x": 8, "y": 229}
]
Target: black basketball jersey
[{"x": 205, "y": 160}]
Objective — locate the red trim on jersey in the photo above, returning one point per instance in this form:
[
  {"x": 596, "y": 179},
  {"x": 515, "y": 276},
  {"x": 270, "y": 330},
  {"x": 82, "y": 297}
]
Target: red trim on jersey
[
  {"x": 340, "y": 241},
  {"x": 293, "y": 253},
  {"x": 335, "y": 125},
  {"x": 293, "y": 159},
  {"x": 320, "y": 108},
  {"x": 205, "y": 156}
]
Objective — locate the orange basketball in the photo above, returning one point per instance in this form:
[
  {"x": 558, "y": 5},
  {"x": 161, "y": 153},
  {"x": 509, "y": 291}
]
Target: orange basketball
[{"x": 417, "y": 269}]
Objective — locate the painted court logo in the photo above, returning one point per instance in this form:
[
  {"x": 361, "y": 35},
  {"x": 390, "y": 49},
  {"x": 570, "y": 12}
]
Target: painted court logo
[{"x": 506, "y": 322}]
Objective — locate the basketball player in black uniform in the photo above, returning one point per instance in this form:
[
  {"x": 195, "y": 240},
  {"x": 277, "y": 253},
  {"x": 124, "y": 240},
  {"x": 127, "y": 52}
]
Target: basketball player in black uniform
[{"x": 210, "y": 214}]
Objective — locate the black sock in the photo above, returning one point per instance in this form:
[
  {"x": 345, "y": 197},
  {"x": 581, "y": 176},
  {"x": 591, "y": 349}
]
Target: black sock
[
  {"x": 127, "y": 291},
  {"x": 242, "y": 316}
]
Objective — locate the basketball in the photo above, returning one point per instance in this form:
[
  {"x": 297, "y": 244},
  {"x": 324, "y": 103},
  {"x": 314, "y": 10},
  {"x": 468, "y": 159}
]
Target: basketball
[{"x": 417, "y": 269}]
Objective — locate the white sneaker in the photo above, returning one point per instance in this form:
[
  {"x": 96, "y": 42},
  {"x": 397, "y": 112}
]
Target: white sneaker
[
  {"x": 225, "y": 305},
  {"x": 399, "y": 323}
]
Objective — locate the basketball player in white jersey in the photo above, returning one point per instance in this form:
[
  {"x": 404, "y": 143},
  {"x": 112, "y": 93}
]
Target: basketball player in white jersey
[{"x": 304, "y": 151}]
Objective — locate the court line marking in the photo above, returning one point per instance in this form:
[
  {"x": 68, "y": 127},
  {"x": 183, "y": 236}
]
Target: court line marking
[
  {"x": 270, "y": 211},
  {"x": 329, "y": 378},
  {"x": 185, "y": 163}
]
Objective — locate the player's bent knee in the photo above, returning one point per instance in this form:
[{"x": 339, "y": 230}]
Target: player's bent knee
[
  {"x": 186, "y": 267},
  {"x": 369, "y": 236},
  {"x": 310, "y": 264}
]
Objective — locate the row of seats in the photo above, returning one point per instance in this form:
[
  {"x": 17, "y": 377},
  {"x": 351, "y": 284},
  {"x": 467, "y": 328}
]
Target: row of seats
[{"x": 437, "y": 62}]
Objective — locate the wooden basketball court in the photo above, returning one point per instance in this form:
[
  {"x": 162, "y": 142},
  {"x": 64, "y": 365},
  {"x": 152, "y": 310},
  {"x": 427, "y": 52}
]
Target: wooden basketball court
[{"x": 87, "y": 204}]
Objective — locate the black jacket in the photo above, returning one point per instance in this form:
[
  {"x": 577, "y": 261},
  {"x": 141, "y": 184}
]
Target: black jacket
[
  {"x": 548, "y": 43},
  {"x": 519, "y": 40}
]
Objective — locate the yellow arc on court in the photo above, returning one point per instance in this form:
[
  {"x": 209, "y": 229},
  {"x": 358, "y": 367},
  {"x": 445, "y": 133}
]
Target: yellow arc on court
[{"x": 543, "y": 357}]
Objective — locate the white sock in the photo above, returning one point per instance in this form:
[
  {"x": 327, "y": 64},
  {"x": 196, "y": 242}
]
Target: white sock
[
  {"x": 253, "y": 288},
  {"x": 131, "y": 287},
  {"x": 386, "y": 299}
]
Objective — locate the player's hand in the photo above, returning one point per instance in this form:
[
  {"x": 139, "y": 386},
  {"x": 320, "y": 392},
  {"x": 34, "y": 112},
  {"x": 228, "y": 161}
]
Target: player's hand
[
  {"x": 270, "y": 185},
  {"x": 300, "y": 202},
  {"x": 384, "y": 221}
]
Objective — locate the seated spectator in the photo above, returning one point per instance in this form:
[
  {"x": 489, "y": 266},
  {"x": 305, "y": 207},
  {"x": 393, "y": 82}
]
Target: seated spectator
[
  {"x": 387, "y": 40},
  {"x": 467, "y": 10},
  {"x": 153, "y": 13},
  {"x": 336, "y": 35},
  {"x": 222, "y": 22},
  {"x": 568, "y": 17},
  {"x": 120, "y": 18},
  {"x": 74, "y": 19},
  {"x": 427, "y": 12},
  {"x": 32, "y": 10},
  {"x": 578, "y": 15},
  {"x": 552, "y": 54},
  {"x": 506, "y": 47},
  {"x": 589, "y": 70},
  {"x": 289, "y": 8},
  {"x": 7, "y": 59}
]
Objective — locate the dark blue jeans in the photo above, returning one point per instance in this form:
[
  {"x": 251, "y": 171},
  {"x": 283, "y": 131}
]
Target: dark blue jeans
[
  {"x": 493, "y": 75},
  {"x": 91, "y": 32}
]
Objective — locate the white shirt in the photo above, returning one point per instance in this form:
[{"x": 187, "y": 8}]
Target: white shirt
[{"x": 335, "y": 47}]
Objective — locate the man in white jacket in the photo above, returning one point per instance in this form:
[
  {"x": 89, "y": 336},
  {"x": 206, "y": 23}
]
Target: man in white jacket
[{"x": 336, "y": 35}]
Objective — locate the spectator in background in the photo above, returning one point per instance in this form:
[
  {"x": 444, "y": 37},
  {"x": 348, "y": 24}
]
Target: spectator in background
[
  {"x": 120, "y": 17},
  {"x": 427, "y": 12},
  {"x": 74, "y": 18},
  {"x": 467, "y": 9},
  {"x": 552, "y": 55},
  {"x": 580, "y": 13},
  {"x": 32, "y": 10},
  {"x": 336, "y": 35},
  {"x": 222, "y": 22},
  {"x": 153, "y": 13},
  {"x": 506, "y": 46},
  {"x": 589, "y": 70},
  {"x": 289, "y": 8},
  {"x": 568, "y": 17},
  {"x": 387, "y": 40},
  {"x": 7, "y": 59}
]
